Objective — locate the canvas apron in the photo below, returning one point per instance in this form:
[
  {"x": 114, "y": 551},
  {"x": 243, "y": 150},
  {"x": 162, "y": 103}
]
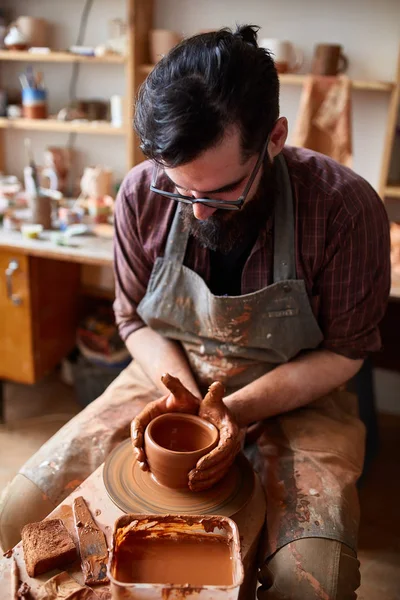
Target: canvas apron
[{"x": 236, "y": 339}]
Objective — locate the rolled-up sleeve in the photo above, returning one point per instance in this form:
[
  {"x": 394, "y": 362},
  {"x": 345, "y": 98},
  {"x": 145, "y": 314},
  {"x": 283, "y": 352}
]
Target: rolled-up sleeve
[
  {"x": 354, "y": 284},
  {"x": 132, "y": 268}
]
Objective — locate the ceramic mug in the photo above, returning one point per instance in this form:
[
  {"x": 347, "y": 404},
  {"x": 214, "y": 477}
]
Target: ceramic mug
[
  {"x": 329, "y": 60},
  {"x": 287, "y": 57},
  {"x": 173, "y": 443},
  {"x": 161, "y": 42}
]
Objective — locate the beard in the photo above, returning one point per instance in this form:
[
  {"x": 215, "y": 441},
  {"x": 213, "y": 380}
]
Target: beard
[{"x": 225, "y": 230}]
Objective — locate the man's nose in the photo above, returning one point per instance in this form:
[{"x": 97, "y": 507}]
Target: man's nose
[{"x": 201, "y": 211}]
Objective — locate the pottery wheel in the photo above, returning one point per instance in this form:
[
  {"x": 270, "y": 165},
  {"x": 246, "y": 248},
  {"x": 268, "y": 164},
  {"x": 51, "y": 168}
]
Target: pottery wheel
[{"x": 134, "y": 490}]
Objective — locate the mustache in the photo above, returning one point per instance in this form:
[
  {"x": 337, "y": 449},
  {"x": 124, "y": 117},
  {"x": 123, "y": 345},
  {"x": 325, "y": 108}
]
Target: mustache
[{"x": 225, "y": 230}]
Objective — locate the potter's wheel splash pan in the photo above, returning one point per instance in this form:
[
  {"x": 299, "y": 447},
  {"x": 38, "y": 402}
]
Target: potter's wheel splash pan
[{"x": 134, "y": 490}]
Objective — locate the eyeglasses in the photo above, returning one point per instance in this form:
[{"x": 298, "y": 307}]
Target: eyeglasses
[{"x": 212, "y": 202}]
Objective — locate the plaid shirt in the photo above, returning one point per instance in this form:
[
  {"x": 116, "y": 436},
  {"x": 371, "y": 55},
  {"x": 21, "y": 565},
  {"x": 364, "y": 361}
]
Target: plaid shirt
[{"x": 341, "y": 238}]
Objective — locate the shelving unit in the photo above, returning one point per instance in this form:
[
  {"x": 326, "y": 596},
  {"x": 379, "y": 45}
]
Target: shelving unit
[
  {"x": 139, "y": 16},
  {"x": 390, "y": 189}
]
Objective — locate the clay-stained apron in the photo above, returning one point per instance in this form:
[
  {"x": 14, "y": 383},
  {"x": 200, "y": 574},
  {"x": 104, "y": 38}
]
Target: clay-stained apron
[{"x": 236, "y": 339}]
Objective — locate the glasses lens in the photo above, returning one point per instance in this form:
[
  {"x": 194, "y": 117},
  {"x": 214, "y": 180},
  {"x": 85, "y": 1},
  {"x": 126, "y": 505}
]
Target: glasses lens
[{"x": 220, "y": 205}]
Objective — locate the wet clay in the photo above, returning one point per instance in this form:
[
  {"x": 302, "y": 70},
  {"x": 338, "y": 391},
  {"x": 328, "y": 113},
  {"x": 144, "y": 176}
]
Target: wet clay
[
  {"x": 134, "y": 490},
  {"x": 180, "y": 436},
  {"x": 179, "y": 559},
  {"x": 174, "y": 443}
]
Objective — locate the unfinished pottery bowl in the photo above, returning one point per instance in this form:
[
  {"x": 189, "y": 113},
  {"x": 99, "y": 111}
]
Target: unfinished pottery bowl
[{"x": 174, "y": 442}]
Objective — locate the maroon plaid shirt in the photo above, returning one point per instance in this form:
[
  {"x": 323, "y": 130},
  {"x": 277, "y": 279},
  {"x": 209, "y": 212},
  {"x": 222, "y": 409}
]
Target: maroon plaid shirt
[{"x": 342, "y": 249}]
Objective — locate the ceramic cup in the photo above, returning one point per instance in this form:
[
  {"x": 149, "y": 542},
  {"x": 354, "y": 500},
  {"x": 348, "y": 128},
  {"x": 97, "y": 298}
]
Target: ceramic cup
[
  {"x": 174, "y": 442},
  {"x": 34, "y": 30},
  {"x": 287, "y": 57},
  {"x": 329, "y": 60}
]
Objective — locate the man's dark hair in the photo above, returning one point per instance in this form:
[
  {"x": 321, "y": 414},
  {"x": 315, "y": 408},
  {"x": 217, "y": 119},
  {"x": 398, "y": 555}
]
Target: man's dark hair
[{"x": 202, "y": 86}]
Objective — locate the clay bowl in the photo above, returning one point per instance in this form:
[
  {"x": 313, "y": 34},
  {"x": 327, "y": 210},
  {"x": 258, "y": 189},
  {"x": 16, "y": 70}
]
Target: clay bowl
[{"x": 173, "y": 443}]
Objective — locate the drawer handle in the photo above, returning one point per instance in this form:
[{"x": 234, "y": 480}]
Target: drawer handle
[{"x": 12, "y": 267}]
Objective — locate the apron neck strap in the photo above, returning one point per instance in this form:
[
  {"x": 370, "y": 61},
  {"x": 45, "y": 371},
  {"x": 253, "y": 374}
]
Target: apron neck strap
[
  {"x": 178, "y": 236},
  {"x": 284, "y": 244},
  {"x": 284, "y": 247}
]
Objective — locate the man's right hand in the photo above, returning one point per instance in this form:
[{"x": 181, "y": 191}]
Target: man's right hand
[{"x": 178, "y": 400}]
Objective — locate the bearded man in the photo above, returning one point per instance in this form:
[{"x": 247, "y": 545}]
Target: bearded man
[{"x": 265, "y": 267}]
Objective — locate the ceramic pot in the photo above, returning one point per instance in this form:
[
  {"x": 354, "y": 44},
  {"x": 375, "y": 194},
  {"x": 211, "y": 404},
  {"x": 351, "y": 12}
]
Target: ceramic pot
[
  {"x": 161, "y": 42},
  {"x": 173, "y": 443},
  {"x": 287, "y": 57},
  {"x": 15, "y": 39},
  {"x": 96, "y": 182},
  {"x": 34, "y": 30}
]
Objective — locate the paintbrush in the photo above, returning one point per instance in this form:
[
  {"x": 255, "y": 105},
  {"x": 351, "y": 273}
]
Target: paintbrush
[{"x": 39, "y": 82}]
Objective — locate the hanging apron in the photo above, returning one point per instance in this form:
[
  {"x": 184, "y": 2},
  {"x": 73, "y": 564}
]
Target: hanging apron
[{"x": 236, "y": 339}]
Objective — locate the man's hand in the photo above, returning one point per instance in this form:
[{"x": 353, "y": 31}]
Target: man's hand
[
  {"x": 213, "y": 466},
  {"x": 179, "y": 400}
]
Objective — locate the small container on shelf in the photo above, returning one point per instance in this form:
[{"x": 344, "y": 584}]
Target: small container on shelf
[{"x": 34, "y": 103}]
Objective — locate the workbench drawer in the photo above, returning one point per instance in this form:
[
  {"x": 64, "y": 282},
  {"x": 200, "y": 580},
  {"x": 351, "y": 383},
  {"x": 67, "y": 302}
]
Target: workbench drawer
[
  {"x": 15, "y": 328},
  {"x": 38, "y": 314}
]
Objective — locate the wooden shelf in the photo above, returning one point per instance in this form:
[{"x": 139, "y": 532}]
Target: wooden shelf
[
  {"x": 59, "y": 57},
  {"x": 392, "y": 191},
  {"x": 97, "y": 127},
  {"x": 293, "y": 79},
  {"x": 356, "y": 84}
]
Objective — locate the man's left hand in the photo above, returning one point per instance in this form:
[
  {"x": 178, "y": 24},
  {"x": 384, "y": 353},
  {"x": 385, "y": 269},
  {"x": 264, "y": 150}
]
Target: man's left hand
[{"x": 213, "y": 466}]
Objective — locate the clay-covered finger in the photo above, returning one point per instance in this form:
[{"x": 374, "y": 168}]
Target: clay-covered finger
[
  {"x": 215, "y": 394},
  {"x": 218, "y": 462},
  {"x": 218, "y": 469},
  {"x": 200, "y": 486},
  {"x": 136, "y": 433},
  {"x": 140, "y": 455},
  {"x": 224, "y": 448},
  {"x": 184, "y": 399}
]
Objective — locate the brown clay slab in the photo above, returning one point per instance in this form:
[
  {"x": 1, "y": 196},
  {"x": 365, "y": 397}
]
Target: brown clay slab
[{"x": 92, "y": 544}]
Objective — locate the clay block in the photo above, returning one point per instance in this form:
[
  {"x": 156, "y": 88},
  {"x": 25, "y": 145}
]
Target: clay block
[{"x": 47, "y": 545}]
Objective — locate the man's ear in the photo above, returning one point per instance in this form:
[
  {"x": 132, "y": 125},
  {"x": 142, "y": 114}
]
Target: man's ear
[{"x": 278, "y": 137}]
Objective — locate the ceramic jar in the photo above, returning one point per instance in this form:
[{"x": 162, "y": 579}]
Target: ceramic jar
[{"x": 161, "y": 42}]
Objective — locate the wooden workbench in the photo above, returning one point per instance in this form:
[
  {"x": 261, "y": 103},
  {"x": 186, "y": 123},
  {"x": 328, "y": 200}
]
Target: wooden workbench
[{"x": 83, "y": 249}]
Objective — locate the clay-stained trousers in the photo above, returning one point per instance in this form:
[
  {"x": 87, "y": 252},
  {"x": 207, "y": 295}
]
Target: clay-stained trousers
[{"x": 310, "y": 569}]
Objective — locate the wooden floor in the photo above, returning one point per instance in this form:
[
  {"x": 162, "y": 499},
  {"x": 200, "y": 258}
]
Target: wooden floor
[{"x": 379, "y": 542}]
